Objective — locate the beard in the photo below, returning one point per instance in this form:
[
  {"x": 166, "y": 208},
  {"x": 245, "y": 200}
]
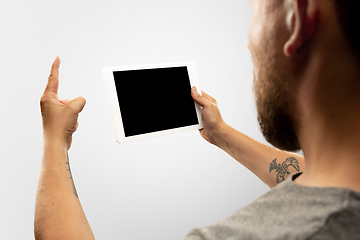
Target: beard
[{"x": 275, "y": 102}]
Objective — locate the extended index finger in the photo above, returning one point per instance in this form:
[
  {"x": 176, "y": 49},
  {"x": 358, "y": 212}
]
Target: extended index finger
[{"x": 53, "y": 80}]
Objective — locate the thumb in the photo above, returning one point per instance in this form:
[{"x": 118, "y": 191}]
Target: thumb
[
  {"x": 197, "y": 97},
  {"x": 77, "y": 104}
]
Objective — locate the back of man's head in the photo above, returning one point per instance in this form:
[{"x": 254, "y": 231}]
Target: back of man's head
[{"x": 306, "y": 55}]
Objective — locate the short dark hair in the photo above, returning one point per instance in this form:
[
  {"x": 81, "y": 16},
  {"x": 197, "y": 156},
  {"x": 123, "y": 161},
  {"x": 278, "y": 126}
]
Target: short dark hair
[{"x": 348, "y": 12}]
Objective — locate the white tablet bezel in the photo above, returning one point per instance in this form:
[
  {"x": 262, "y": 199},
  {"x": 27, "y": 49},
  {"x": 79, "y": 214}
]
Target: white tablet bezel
[{"x": 115, "y": 108}]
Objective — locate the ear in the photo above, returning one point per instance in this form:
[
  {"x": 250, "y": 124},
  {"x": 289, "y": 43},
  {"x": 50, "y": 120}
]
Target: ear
[{"x": 303, "y": 19}]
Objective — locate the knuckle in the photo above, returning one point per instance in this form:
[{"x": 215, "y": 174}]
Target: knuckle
[
  {"x": 51, "y": 77},
  {"x": 208, "y": 105},
  {"x": 213, "y": 106},
  {"x": 43, "y": 101},
  {"x": 70, "y": 108}
]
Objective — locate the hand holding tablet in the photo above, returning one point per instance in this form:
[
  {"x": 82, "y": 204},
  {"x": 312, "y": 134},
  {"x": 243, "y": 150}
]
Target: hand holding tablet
[{"x": 152, "y": 100}]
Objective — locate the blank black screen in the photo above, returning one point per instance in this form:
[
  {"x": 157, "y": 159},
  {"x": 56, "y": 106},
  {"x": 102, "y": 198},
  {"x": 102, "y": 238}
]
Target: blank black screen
[{"x": 152, "y": 100}]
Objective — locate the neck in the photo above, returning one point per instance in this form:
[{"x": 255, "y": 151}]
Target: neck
[
  {"x": 332, "y": 163},
  {"x": 330, "y": 125}
]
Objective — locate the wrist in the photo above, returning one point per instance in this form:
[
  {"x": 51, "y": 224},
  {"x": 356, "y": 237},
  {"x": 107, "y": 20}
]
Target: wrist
[
  {"x": 218, "y": 134},
  {"x": 55, "y": 140},
  {"x": 54, "y": 153}
]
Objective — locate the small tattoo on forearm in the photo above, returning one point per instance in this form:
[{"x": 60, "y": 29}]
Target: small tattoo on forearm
[
  {"x": 72, "y": 180},
  {"x": 282, "y": 169}
]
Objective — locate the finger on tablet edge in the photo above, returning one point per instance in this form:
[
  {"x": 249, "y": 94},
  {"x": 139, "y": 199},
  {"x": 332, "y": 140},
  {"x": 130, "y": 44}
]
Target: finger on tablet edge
[{"x": 197, "y": 97}]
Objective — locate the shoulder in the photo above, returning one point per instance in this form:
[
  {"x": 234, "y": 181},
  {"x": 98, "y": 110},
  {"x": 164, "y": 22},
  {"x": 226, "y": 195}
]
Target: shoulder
[
  {"x": 289, "y": 211},
  {"x": 344, "y": 223}
]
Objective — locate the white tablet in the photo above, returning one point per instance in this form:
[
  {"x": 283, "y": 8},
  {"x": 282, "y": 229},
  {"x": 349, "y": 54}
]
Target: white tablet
[{"x": 152, "y": 100}]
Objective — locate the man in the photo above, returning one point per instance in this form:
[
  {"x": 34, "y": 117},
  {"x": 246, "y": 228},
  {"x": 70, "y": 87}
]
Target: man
[{"x": 306, "y": 55}]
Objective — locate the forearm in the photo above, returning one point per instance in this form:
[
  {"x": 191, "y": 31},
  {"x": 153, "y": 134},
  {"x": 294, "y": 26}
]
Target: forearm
[
  {"x": 58, "y": 212},
  {"x": 256, "y": 156}
]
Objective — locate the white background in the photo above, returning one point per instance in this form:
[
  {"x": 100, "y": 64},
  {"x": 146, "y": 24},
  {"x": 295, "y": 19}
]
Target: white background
[{"x": 159, "y": 188}]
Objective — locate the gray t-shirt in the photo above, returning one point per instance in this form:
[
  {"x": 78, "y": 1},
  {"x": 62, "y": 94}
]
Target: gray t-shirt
[{"x": 291, "y": 211}]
